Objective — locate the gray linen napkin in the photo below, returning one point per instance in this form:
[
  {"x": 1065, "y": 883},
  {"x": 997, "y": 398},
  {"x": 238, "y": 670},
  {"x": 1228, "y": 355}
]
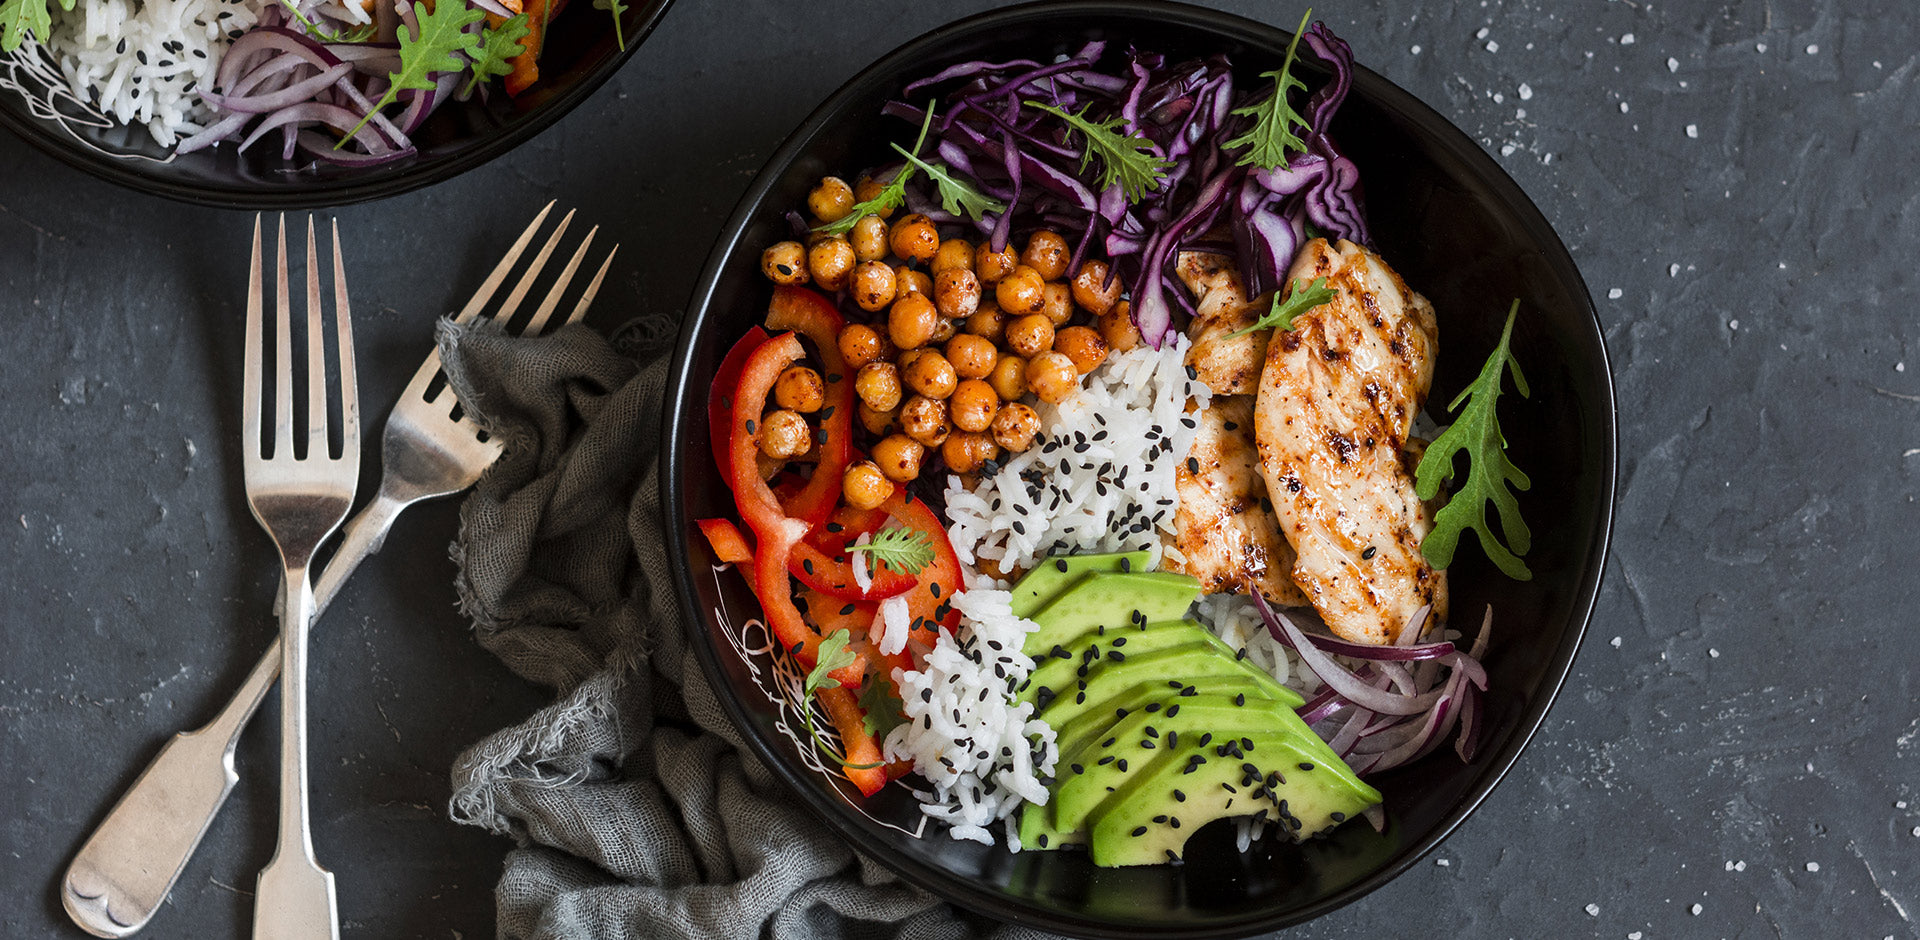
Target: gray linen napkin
[{"x": 635, "y": 809}]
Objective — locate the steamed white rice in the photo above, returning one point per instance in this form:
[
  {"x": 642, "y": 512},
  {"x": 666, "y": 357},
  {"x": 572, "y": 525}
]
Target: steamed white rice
[
  {"x": 145, "y": 61},
  {"x": 1099, "y": 477},
  {"x": 982, "y": 750}
]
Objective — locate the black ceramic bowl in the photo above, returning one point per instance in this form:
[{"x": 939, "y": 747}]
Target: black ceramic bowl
[
  {"x": 581, "y": 54},
  {"x": 1459, "y": 230}
]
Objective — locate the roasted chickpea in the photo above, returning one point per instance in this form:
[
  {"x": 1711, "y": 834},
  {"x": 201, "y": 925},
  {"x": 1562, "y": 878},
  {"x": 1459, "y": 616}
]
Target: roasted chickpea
[
  {"x": 925, "y": 420},
  {"x": 800, "y": 389},
  {"x": 973, "y": 405},
  {"x": 911, "y": 321},
  {"x": 864, "y": 486},
  {"x": 1030, "y": 335},
  {"x": 967, "y": 451},
  {"x": 867, "y": 188},
  {"x": 1052, "y": 377},
  {"x": 831, "y": 200},
  {"x": 1116, "y": 327},
  {"x": 1015, "y": 426},
  {"x": 1083, "y": 345},
  {"x": 899, "y": 457},
  {"x": 877, "y": 423},
  {"x": 929, "y": 373},
  {"x": 956, "y": 291},
  {"x": 1009, "y": 378},
  {"x": 831, "y": 261},
  {"x": 944, "y": 330},
  {"x": 785, "y": 263},
  {"x": 1021, "y": 292},
  {"x": 872, "y": 285},
  {"x": 1092, "y": 290},
  {"x": 953, "y": 253},
  {"x": 1057, "y": 302},
  {"x": 784, "y": 434},
  {"x": 908, "y": 281},
  {"x": 988, "y": 321},
  {"x": 913, "y": 237},
  {"x": 1048, "y": 254},
  {"x": 878, "y": 384},
  {"x": 972, "y": 356},
  {"x": 869, "y": 238},
  {"x": 992, "y": 265},
  {"x": 859, "y": 344}
]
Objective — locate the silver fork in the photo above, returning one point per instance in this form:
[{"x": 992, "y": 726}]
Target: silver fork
[
  {"x": 122, "y": 874},
  {"x": 299, "y": 501}
]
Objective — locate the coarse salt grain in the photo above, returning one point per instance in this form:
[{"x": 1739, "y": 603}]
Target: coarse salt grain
[
  {"x": 1615, "y": 643},
  {"x": 1813, "y": 866},
  {"x": 1614, "y": 293},
  {"x": 1693, "y": 131},
  {"x": 1593, "y": 910},
  {"x": 1695, "y": 910},
  {"x": 1526, "y": 92}
]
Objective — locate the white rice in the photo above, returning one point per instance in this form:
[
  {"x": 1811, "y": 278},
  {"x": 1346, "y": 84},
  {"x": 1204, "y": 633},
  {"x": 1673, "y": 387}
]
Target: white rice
[
  {"x": 145, "y": 61},
  {"x": 965, "y": 732},
  {"x": 1100, "y": 476},
  {"x": 1235, "y": 619}
]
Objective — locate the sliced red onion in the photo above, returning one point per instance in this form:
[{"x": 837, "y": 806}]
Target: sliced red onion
[
  {"x": 1468, "y": 743},
  {"x": 1336, "y": 675},
  {"x": 314, "y": 112},
  {"x": 285, "y": 97}
]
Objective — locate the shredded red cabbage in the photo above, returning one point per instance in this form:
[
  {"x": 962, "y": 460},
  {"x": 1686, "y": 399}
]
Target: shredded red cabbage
[{"x": 1028, "y": 159}]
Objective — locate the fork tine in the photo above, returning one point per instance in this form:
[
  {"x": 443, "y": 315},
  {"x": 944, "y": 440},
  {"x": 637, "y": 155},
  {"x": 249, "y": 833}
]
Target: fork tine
[
  {"x": 512, "y": 303},
  {"x": 498, "y": 275},
  {"x": 586, "y": 299},
  {"x": 539, "y": 321},
  {"x": 250, "y": 411},
  {"x": 316, "y": 356},
  {"x": 283, "y": 354},
  {"x": 349, "y": 384}
]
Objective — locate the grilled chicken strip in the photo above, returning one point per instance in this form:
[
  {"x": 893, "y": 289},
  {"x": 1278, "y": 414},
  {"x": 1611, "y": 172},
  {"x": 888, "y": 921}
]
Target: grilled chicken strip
[
  {"x": 1337, "y": 399},
  {"x": 1226, "y": 526},
  {"x": 1230, "y": 365}
]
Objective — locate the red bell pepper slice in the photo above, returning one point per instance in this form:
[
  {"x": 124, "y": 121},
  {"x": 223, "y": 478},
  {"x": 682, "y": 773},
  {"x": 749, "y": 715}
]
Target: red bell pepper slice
[
  {"x": 720, "y": 397},
  {"x": 860, "y": 748},
  {"x": 834, "y": 577},
  {"x": 929, "y": 602},
  {"x": 812, "y": 315},
  {"x": 728, "y": 544}
]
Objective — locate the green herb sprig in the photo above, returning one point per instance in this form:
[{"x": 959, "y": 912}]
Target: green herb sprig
[
  {"x": 833, "y": 656},
  {"x": 1127, "y": 159},
  {"x": 498, "y": 46},
  {"x": 18, "y": 18},
  {"x": 904, "y": 550},
  {"x": 889, "y": 197},
  {"x": 1477, "y": 431},
  {"x": 1305, "y": 297},
  {"x": 360, "y": 33},
  {"x": 880, "y": 709},
  {"x": 618, "y": 10},
  {"x": 441, "y": 44},
  {"x": 956, "y": 195},
  {"x": 1274, "y": 119}
]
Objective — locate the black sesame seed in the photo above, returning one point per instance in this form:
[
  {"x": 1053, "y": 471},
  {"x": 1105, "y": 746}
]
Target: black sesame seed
[
  {"x": 1369, "y": 553},
  {"x": 1060, "y": 564},
  {"x": 1140, "y": 831},
  {"x": 807, "y": 563},
  {"x": 1339, "y": 816},
  {"x": 1105, "y": 760},
  {"x": 1121, "y": 763},
  {"x": 1304, "y": 765}
]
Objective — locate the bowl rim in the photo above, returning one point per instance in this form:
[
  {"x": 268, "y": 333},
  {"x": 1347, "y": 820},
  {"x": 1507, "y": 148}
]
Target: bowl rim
[
  {"x": 681, "y": 390},
  {"x": 45, "y": 136}
]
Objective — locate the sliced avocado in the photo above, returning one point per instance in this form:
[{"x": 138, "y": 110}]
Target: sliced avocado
[
  {"x": 1054, "y": 575},
  {"x": 1092, "y": 774},
  {"x": 1058, "y": 669},
  {"x": 1110, "y": 600},
  {"x": 1131, "y": 682},
  {"x": 1149, "y": 817}
]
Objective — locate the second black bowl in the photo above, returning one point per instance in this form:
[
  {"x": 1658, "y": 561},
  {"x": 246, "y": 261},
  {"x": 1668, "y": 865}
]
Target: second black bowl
[{"x": 1458, "y": 229}]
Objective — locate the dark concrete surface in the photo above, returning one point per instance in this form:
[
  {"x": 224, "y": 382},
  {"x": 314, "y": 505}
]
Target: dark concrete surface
[{"x": 1737, "y": 753}]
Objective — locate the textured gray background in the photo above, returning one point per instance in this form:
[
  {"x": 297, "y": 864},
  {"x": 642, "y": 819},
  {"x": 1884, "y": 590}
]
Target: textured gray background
[{"x": 1738, "y": 751}]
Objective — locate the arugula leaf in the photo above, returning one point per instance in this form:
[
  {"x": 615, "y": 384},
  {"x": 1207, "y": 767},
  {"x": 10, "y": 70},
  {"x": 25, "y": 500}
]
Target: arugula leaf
[
  {"x": 1477, "y": 431},
  {"x": 880, "y": 708},
  {"x": 497, "y": 46},
  {"x": 618, "y": 10},
  {"x": 956, "y": 195},
  {"x": 1305, "y": 297},
  {"x": 441, "y": 44},
  {"x": 1272, "y": 134},
  {"x": 1127, "y": 159},
  {"x": 21, "y": 17},
  {"x": 889, "y": 198},
  {"x": 833, "y": 656},
  {"x": 904, "y": 550}
]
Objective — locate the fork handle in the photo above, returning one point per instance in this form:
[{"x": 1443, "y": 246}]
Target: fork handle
[
  {"x": 123, "y": 872},
  {"x": 294, "y": 898}
]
